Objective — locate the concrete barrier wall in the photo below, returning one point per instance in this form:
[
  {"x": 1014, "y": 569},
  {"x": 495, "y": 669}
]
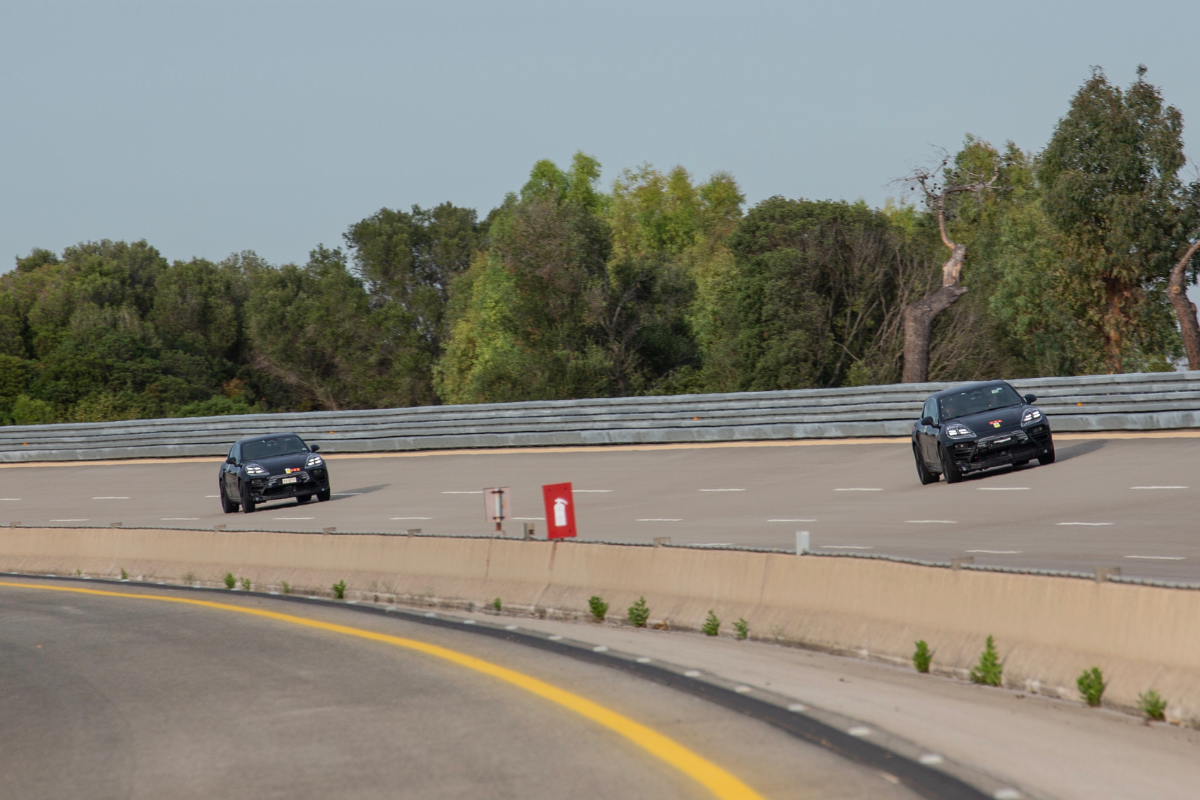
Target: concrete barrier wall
[{"x": 1047, "y": 629}]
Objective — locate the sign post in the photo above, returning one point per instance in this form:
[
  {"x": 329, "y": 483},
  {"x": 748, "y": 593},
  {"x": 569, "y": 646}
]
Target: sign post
[
  {"x": 495, "y": 505},
  {"x": 560, "y": 510}
]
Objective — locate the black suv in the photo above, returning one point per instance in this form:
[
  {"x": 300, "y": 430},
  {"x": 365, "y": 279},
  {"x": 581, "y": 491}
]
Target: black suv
[
  {"x": 262, "y": 469},
  {"x": 979, "y": 426}
]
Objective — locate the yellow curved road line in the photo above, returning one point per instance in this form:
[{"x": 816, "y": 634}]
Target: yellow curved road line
[{"x": 718, "y": 781}]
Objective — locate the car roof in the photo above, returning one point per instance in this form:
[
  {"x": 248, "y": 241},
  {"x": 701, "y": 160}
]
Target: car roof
[
  {"x": 264, "y": 436},
  {"x": 965, "y": 387}
]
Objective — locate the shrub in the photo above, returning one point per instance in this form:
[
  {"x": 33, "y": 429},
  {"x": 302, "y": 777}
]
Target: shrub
[
  {"x": 339, "y": 590},
  {"x": 1091, "y": 685},
  {"x": 598, "y": 606},
  {"x": 742, "y": 628},
  {"x": 124, "y": 574},
  {"x": 989, "y": 671},
  {"x": 230, "y": 581},
  {"x": 922, "y": 657},
  {"x": 496, "y": 604},
  {"x": 286, "y": 588},
  {"x": 639, "y": 613},
  {"x": 245, "y": 584},
  {"x": 712, "y": 625},
  {"x": 1152, "y": 705}
]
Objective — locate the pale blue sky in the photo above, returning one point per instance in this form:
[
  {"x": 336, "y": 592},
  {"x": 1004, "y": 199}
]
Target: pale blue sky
[{"x": 214, "y": 127}]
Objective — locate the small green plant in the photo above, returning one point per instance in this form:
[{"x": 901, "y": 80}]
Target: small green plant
[
  {"x": 741, "y": 628},
  {"x": 245, "y": 584},
  {"x": 1152, "y": 705},
  {"x": 339, "y": 590},
  {"x": 922, "y": 657},
  {"x": 1091, "y": 685},
  {"x": 497, "y": 605},
  {"x": 124, "y": 574},
  {"x": 639, "y": 613},
  {"x": 598, "y": 606},
  {"x": 78, "y": 572},
  {"x": 712, "y": 624},
  {"x": 230, "y": 581},
  {"x": 189, "y": 578},
  {"x": 990, "y": 670},
  {"x": 287, "y": 589}
]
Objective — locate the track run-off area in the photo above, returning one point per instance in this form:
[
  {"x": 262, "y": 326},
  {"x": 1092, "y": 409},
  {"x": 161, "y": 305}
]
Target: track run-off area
[{"x": 1123, "y": 500}]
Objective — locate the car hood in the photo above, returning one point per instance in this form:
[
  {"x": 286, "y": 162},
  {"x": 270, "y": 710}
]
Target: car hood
[
  {"x": 279, "y": 465},
  {"x": 996, "y": 421}
]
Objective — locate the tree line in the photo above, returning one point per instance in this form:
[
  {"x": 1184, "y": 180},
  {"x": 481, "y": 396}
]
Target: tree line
[{"x": 1071, "y": 260}]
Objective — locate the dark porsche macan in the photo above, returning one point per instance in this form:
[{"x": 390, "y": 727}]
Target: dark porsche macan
[
  {"x": 263, "y": 469},
  {"x": 976, "y": 427}
]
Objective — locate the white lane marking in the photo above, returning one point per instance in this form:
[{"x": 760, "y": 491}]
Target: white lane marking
[
  {"x": 81, "y": 519},
  {"x": 997, "y": 552},
  {"x": 510, "y": 627},
  {"x": 932, "y": 521},
  {"x": 1089, "y": 524},
  {"x": 430, "y": 615},
  {"x": 293, "y": 518},
  {"x": 929, "y": 759},
  {"x": 475, "y": 492},
  {"x": 1160, "y": 558},
  {"x": 110, "y": 498},
  {"x": 791, "y": 520},
  {"x": 859, "y": 730},
  {"x": 410, "y": 517},
  {"x": 1158, "y": 487},
  {"x": 600, "y": 649},
  {"x": 211, "y": 496},
  {"x": 180, "y": 519},
  {"x": 468, "y": 622},
  {"x": 1003, "y": 488},
  {"x": 720, "y": 490},
  {"x": 742, "y": 689},
  {"x": 858, "y": 489},
  {"x": 712, "y": 544},
  {"x": 9, "y": 499},
  {"x": 657, "y": 519},
  {"x": 642, "y": 660},
  {"x": 796, "y": 708},
  {"x": 1007, "y": 794},
  {"x": 845, "y": 547},
  {"x": 529, "y": 519},
  {"x": 348, "y": 494},
  {"x": 692, "y": 673},
  {"x": 591, "y": 491},
  {"x": 554, "y": 637}
]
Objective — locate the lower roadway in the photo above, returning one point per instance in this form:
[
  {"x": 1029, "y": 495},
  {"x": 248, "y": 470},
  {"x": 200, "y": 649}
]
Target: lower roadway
[
  {"x": 137, "y": 694},
  {"x": 1127, "y": 501}
]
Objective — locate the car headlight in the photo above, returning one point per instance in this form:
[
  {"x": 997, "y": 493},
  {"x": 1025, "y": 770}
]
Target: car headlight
[
  {"x": 314, "y": 461},
  {"x": 1030, "y": 416},
  {"x": 957, "y": 430},
  {"x": 255, "y": 469}
]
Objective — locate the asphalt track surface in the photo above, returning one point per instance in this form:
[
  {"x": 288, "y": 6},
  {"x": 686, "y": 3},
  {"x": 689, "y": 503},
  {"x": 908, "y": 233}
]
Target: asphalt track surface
[
  {"x": 111, "y": 696},
  {"x": 1131, "y": 502}
]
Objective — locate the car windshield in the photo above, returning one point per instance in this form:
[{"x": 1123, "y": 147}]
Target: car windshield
[
  {"x": 269, "y": 448},
  {"x": 976, "y": 401}
]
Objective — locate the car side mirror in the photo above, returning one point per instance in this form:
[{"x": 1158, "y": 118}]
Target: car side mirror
[
  {"x": 1030, "y": 398},
  {"x": 926, "y": 420},
  {"x": 316, "y": 448},
  {"x": 231, "y": 460}
]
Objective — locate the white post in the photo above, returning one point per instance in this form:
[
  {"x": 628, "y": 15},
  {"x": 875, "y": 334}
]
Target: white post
[{"x": 802, "y": 543}]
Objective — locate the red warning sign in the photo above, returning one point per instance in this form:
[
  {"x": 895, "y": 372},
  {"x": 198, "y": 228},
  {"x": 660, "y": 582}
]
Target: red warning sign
[{"x": 560, "y": 510}]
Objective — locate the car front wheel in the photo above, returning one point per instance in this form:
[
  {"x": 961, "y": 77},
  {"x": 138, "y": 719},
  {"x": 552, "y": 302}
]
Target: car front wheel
[
  {"x": 227, "y": 505},
  {"x": 949, "y": 468},
  {"x": 323, "y": 495},
  {"x": 926, "y": 477},
  {"x": 247, "y": 499},
  {"x": 1048, "y": 456}
]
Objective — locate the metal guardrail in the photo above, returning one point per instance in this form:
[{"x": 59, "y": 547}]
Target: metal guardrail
[{"x": 1135, "y": 402}]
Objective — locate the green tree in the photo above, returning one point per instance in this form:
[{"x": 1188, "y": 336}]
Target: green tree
[{"x": 1113, "y": 192}]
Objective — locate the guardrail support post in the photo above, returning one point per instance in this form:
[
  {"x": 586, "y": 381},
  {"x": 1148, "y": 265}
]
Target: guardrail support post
[
  {"x": 803, "y": 545},
  {"x": 325, "y": 531},
  {"x": 957, "y": 563},
  {"x": 527, "y": 528},
  {"x": 116, "y": 524},
  {"x": 413, "y": 531},
  {"x": 1106, "y": 573},
  {"x": 659, "y": 541}
]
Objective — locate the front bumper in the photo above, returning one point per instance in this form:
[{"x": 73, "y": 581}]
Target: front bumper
[
  {"x": 1002, "y": 449},
  {"x": 281, "y": 487}
]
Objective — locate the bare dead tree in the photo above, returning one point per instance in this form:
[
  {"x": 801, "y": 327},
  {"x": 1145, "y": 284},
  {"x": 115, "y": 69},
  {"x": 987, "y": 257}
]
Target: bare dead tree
[
  {"x": 1185, "y": 309},
  {"x": 919, "y": 315}
]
